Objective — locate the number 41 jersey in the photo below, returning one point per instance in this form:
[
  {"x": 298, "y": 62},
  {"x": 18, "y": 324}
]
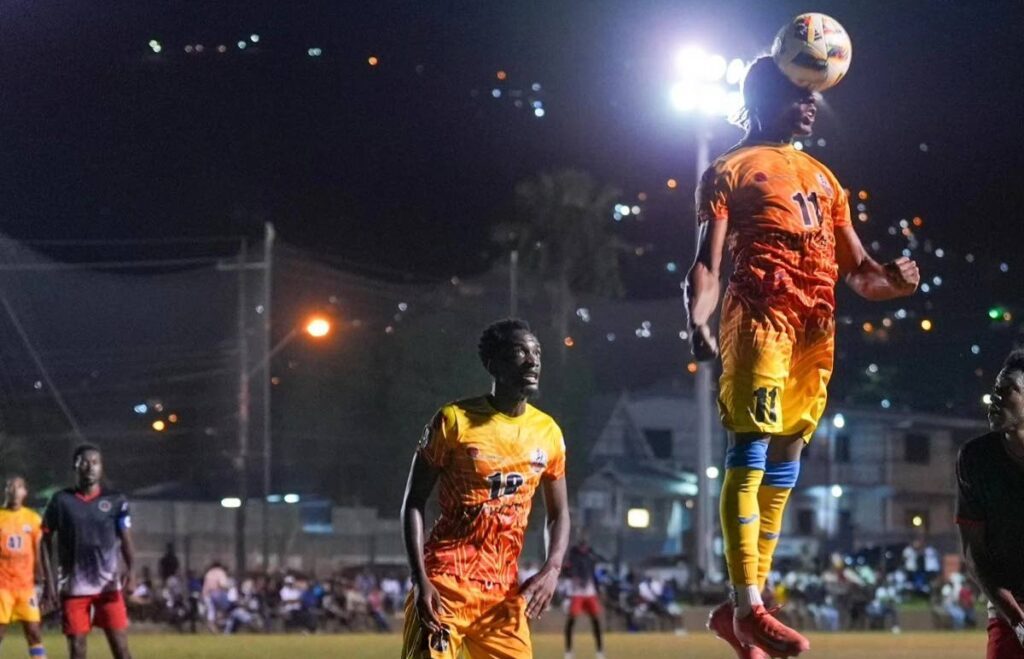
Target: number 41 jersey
[
  {"x": 783, "y": 207},
  {"x": 491, "y": 465}
]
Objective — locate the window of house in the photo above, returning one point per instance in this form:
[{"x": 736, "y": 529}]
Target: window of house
[
  {"x": 660, "y": 441},
  {"x": 842, "y": 448},
  {"x": 916, "y": 448},
  {"x": 805, "y": 521}
]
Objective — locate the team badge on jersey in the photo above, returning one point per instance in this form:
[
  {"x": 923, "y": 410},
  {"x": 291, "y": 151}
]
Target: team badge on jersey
[
  {"x": 539, "y": 460},
  {"x": 825, "y": 185},
  {"x": 104, "y": 506},
  {"x": 27, "y": 528}
]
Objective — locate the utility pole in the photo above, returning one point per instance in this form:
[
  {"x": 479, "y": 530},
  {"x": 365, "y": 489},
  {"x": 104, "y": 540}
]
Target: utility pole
[
  {"x": 513, "y": 283},
  {"x": 242, "y": 459},
  {"x": 705, "y": 527},
  {"x": 268, "y": 283}
]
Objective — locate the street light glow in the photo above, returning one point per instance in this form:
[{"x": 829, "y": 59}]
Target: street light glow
[
  {"x": 231, "y": 502},
  {"x": 638, "y": 518},
  {"x": 837, "y": 491},
  {"x": 839, "y": 421},
  {"x": 691, "y": 62},
  {"x": 714, "y": 68},
  {"x": 291, "y": 498},
  {"x": 735, "y": 71},
  {"x": 159, "y": 425},
  {"x": 711, "y": 472},
  {"x": 318, "y": 327},
  {"x": 706, "y": 83}
]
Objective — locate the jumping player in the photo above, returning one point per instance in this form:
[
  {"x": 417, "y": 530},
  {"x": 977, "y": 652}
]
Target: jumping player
[
  {"x": 990, "y": 484},
  {"x": 92, "y": 529},
  {"x": 20, "y": 569},
  {"x": 490, "y": 454},
  {"x": 786, "y": 220}
]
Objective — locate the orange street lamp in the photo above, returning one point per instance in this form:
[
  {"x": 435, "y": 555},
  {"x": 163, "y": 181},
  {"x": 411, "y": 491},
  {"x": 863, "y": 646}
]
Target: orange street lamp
[{"x": 318, "y": 327}]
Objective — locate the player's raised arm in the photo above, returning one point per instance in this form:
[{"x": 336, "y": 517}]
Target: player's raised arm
[
  {"x": 703, "y": 287},
  {"x": 868, "y": 278},
  {"x": 422, "y": 478}
]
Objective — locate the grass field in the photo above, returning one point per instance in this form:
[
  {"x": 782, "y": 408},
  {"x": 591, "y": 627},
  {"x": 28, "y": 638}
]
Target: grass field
[{"x": 917, "y": 645}]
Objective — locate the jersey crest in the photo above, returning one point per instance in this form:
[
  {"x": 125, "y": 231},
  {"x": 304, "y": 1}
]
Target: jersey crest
[{"x": 539, "y": 460}]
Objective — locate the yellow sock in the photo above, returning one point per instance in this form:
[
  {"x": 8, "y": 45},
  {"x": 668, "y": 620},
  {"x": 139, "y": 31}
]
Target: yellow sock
[
  {"x": 740, "y": 516},
  {"x": 771, "y": 502}
]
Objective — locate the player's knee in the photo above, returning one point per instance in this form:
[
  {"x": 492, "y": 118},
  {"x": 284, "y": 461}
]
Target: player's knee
[
  {"x": 751, "y": 454},
  {"x": 33, "y": 634}
]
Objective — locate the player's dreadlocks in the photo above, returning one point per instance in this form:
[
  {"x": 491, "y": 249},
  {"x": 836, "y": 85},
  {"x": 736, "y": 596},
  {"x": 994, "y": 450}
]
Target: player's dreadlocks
[
  {"x": 497, "y": 335},
  {"x": 763, "y": 86}
]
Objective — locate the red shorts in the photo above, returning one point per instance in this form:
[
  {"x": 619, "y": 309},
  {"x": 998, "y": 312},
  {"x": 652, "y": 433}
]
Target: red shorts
[
  {"x": 104, "y": 610},
  {"x": 1002, "y": 642},
  {"x": 589, "y": 604}
]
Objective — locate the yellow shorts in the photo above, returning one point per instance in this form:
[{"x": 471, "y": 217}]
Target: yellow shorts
[
  {"x": 18, "y": 606},
  {"x": 774, "y": 377},
  {"x": 484, "y": 622}
]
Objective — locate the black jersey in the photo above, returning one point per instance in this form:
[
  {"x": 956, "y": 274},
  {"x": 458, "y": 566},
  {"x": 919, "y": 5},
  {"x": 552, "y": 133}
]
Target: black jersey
[
  {"x": 88, "y": 539},
  {"x": 990, "y": 491}
]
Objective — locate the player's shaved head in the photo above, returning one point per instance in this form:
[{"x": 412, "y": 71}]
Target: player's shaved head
[
  {"x": 15, "y": 490},
  {"x": 499, "y": 335},
  {"x": 1006, "y": 409},
  {"x": 81, "y": 450},
  {"x": 1015, "y": 362}
]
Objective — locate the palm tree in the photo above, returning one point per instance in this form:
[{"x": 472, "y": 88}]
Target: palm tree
[{"x": 562, "y": 232}]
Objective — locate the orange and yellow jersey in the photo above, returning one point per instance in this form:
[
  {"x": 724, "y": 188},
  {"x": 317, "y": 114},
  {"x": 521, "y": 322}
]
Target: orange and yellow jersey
[
  {"x": 783, "y": 207},
  {"x": 20, "y": 532},
  {"x": 490, "y": 466}
]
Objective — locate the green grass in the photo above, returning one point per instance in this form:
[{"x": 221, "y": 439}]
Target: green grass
[{"x": 697, "y": 645}]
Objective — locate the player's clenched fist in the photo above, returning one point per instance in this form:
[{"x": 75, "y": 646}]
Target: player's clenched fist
[
  {"x": 903, "y": 275},
  {"x": 703, "y": 343}
]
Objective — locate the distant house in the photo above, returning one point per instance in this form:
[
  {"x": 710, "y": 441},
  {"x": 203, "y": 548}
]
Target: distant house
[
  {"x": 644, "y": 459},
  {"x": 869, "y": 477}
]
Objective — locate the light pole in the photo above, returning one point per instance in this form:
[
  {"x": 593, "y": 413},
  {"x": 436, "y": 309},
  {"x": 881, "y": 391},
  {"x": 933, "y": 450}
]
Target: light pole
[
  {"x": 708, "y": 87},
  {"x": 316, "y": 327}
]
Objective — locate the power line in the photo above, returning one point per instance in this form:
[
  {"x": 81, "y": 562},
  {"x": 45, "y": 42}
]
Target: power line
[{"x": 133, "y": 241}]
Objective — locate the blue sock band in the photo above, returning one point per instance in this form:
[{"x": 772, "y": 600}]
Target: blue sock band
[
  {"x": 781, "y": 474},
  {"x": 37, "y": 651},
  {"x": 751, "y": 455}
]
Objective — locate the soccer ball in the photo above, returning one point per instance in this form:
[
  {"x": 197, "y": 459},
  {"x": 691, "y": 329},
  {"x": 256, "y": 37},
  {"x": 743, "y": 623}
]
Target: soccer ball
[{"x": 813, "y": 50}]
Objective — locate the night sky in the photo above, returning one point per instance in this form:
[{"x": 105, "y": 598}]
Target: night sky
[{"x": 404, "y": 167}]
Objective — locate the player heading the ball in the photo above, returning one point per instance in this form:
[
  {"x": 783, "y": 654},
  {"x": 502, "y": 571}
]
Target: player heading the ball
[{"x": 786, "y": 220}]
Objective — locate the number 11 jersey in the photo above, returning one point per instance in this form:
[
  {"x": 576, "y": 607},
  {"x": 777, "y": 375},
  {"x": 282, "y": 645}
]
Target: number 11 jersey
[
  {"x": 783, "y": 208},
  {"x": 491, "y": 465}
]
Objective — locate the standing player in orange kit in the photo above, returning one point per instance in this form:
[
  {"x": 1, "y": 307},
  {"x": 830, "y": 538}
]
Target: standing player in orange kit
[
  {"x": 490, "y": 454},
  {"x": 786, "y": 220},
  {"x": 20, "y": 568}
]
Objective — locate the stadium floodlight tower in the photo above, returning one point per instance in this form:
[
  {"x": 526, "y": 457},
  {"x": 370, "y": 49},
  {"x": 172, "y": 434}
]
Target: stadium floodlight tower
[{"x": 706, "y": 88}]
